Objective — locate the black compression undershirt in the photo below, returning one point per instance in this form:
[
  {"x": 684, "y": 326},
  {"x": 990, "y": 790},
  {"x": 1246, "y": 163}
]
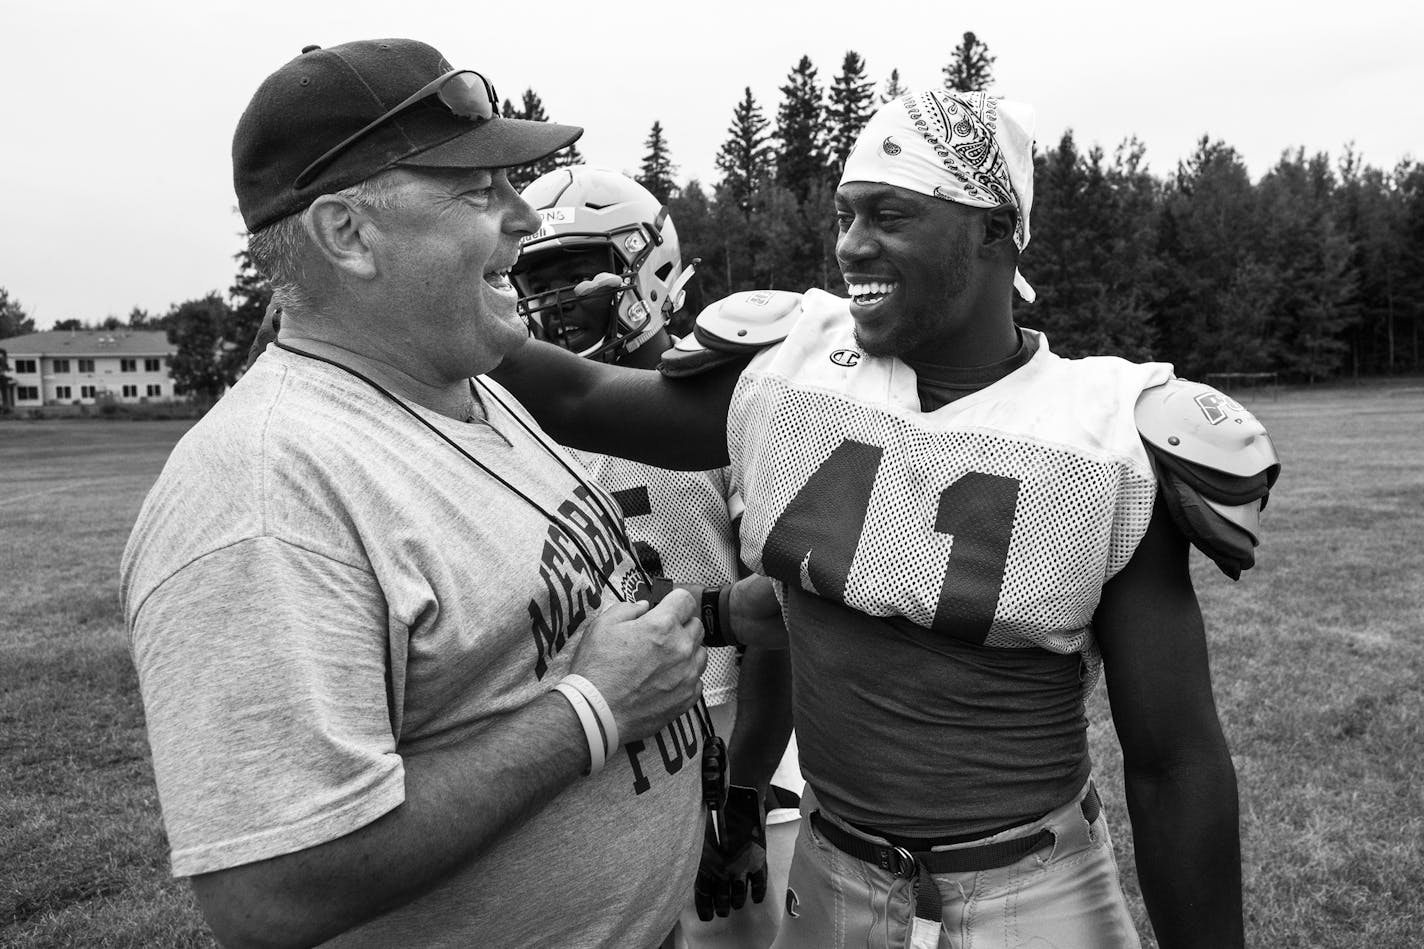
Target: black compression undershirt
[{"x": 940, "y": 385}]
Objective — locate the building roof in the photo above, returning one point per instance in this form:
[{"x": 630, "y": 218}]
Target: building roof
[{"x": 120, "y": 342}]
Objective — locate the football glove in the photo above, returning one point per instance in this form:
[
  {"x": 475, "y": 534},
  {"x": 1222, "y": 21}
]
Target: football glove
[{"x": 735, "y": 868}]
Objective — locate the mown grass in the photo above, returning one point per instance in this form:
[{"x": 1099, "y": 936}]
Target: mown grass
[
  {"x": 1318, "y": 660},
  {"x": 85, "y": 862},
  {"x": 1318, "y": 666}
]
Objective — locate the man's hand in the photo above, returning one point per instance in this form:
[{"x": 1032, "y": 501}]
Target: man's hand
[
  {"x": 756, "y": 614},
  {"x": 647, "y": 662},
  {"x": 736, "y": 866}
]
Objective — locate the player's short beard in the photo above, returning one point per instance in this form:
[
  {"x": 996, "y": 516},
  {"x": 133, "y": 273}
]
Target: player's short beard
[{"x": 924, "y": 319}]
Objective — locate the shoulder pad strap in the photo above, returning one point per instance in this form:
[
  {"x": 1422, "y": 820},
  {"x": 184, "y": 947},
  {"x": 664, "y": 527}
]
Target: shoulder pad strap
[
  {"x": 731, "y": 328},
  {"x": 1215, "y": 464}
]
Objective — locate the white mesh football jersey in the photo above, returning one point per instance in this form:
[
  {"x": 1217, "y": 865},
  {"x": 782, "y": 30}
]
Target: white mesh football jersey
[
  {"x": 680, "y": 525},
  {"x": 995, "y": 519}
]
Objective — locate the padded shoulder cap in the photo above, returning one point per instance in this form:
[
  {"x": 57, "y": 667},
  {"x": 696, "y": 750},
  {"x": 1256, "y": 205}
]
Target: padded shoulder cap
[
  {"x": 1197, "y": 423},
  {"x": 733, "y": 327},
  {"x": 1215, "y": 464}
]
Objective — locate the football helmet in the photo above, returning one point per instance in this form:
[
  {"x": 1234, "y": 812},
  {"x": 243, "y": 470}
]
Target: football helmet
[{"x": 604, "y": 271}]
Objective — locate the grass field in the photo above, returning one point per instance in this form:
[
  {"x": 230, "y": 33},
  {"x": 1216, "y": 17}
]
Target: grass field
[{"x": 1318, "y": 657}]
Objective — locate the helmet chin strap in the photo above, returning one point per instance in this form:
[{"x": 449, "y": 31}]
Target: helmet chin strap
[{"x": 675, "y": 291}]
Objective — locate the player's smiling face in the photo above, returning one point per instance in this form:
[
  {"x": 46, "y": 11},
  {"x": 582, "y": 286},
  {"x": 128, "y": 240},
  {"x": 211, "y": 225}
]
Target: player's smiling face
[
  {"x": 906, "y": 259},
  {"x": 549, "y": 278}
]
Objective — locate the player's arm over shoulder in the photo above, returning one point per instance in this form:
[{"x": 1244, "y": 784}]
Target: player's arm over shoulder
[
  {"x": 1215, "y": 467},
  {"x": 672, "y": 418}
]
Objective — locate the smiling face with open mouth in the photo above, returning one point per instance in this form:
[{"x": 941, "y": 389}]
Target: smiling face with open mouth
[
  {"x": 908, "y": 263},
  {"x": 448, "y": 244}
]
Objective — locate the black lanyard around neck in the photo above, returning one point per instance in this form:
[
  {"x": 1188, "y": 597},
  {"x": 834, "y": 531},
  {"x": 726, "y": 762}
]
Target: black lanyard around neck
[{"x": 557, "y": 524}]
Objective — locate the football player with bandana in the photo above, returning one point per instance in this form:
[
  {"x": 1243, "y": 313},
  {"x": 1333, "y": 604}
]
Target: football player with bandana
[
  {"x": 968, "y": 531},
  {"x": 600, "y": 279}
]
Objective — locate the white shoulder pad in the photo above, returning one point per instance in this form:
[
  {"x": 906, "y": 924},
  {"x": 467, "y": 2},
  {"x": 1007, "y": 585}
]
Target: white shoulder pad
[
  {"x": 1204, "y": 427},
  {"x": 748, "y": 321},
  {"x": 1215, "y": 464}
]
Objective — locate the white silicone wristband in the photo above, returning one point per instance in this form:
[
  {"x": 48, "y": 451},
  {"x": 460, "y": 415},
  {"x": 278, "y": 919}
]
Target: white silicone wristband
[
  {"x": 591, "y": 731},
  {"x": 600, "y": 706}
]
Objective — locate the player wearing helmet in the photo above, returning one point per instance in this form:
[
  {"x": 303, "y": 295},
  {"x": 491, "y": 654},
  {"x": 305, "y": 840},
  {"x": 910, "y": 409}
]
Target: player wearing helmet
[
  {"x": 600, "y": 278},
  {"x": 604, "y": 242},
  {"x": 967, "y": 530}
]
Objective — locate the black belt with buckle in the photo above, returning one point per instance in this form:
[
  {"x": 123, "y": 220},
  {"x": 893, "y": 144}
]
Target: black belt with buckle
[{"x": 904, "y": 862}]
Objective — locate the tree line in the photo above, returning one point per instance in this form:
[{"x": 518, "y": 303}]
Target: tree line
[{"x": 1314, "y": 272}]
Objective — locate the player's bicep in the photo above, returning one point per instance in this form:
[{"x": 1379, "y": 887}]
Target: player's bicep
[
  {"x": 1149, "y": 628},
  {"x": 552, "y": 383}
]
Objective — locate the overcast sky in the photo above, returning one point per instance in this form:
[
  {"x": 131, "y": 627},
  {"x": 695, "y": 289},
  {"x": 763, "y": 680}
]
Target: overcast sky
[{"x": 116, "y": 118}]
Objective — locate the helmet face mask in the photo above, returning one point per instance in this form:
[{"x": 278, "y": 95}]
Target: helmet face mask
[
  {"x": 586, "y": 323},
  {"x": 587, "y": 210}
]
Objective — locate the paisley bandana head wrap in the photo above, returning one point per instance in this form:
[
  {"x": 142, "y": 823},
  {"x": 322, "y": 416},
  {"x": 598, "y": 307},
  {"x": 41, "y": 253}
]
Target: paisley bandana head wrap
[{"x": 966, "y": 147}]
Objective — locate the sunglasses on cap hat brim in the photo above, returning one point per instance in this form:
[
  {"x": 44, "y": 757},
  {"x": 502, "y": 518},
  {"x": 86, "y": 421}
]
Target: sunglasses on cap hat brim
[{"x": 466, "y": 93}]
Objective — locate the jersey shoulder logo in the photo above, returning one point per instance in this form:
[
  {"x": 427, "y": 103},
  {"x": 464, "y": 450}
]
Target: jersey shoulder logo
[{"x": 845, "y": 357}]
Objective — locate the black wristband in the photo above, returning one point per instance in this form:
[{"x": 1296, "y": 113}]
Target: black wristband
[{"x": 717, "y": 617}]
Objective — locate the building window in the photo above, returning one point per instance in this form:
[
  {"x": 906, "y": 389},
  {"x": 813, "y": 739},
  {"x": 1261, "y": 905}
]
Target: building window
[
  {"x": 128, "y": 365},
  {"x": 155, "y": 390},
  {"x": 63, "y": 392},
  {"x": 86, "y": 392},
  {"x": 152, "y": 365},
  {"x": 25, "y": 365},
  {"x": 86, "y": 365},
  {"x": 27, "y": 393},
  {"x": 130, "y": 392},
  {"x": 61, "y": 365}
]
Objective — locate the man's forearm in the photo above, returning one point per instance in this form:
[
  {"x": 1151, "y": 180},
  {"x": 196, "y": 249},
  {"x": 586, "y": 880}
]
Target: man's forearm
[
  {"x": 763, "y": 725},
  {"x": 1186, "y": 836},
  {"x": 458, "y": 800},
  {"x": 616, "y": 410}
]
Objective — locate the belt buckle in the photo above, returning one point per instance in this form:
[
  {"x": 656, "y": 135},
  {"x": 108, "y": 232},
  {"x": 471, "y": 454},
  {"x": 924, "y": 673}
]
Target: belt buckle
[{"x": 898, "y": 861}]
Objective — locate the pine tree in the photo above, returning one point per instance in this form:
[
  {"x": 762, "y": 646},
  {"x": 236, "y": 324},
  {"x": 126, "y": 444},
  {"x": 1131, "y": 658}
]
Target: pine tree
[
  {"x": 971, "y": 66},
  {"x": 1408, "y": 196},
  {"x": 1305, "y": 244},
  {"x": 248, "y": 298},
  {"x": 745, "y": 157},
  {"x": 692, "y": 214},
  {"x": 893, "y": 88},
  {"x": 1089, "y": 259},
  {"x": 1362, "y": 205},
  {"x": 1216, "y": 292},
  {"x": 657, "y": 168},
  {"x": 14, "y": 321},
  {"x": 532, "y": 109},
  {"x": 800, "y": 131},
  {"x": 852, "y": 102}
]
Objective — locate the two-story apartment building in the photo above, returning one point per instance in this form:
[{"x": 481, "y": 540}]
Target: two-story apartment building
[{"x": 82, "y": 367}]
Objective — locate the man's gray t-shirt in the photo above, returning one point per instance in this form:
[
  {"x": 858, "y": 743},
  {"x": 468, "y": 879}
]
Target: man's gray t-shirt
[{"x": 319, "y": 588}]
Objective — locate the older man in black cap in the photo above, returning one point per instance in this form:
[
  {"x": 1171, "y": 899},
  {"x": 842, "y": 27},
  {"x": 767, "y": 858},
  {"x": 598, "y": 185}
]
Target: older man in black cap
[{"x": 400, "y": 682}]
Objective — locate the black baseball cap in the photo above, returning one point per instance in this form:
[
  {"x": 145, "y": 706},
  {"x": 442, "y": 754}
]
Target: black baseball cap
[{"x": 324, "y": 96}]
